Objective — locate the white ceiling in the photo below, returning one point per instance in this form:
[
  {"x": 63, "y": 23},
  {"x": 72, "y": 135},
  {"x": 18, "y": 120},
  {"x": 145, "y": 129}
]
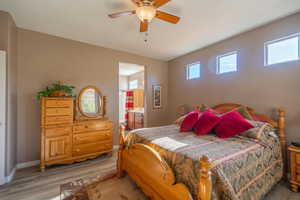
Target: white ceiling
[
  {"x": 127, "y": 69},
  {"x": 203, "y": 22}
]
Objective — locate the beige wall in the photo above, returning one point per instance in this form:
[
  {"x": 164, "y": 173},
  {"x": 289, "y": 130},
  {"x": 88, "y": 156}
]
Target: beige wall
[
  {"x": 43, "y": 59},
  {"x": 8, "y": 42},
  {"x": 263, "y": 88}
]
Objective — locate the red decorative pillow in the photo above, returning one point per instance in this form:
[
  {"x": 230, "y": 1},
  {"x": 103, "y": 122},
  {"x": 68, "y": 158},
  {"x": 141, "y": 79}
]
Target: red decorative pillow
[
  {"x": 189, "y": 121},
  {"x": 206, "y": 122},
  {"x": 231, "y": 124}
]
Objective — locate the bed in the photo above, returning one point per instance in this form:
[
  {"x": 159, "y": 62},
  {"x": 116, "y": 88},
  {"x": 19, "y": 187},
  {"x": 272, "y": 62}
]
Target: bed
[{"x": 169, "y": 165}]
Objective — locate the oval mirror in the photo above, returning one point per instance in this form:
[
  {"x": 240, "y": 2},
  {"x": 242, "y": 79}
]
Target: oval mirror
[{"x": 90, "y": 102}]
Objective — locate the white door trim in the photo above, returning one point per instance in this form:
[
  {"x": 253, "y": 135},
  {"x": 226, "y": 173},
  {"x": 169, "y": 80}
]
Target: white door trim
[{"x": 2, "y": 115}]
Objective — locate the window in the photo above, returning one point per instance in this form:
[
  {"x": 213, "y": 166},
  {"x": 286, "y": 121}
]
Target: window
[
  {"x": 193, "y": 71},
  {"x": 227, "y": 63},
  {"x": 133, "y": 84},
  {"x": 282, "y": 50}
]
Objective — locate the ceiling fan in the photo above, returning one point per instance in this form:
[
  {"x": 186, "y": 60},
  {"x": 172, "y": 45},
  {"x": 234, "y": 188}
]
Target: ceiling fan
[{"x": 146, "y": 11}]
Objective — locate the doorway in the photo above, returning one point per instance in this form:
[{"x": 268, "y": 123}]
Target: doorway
[
  {"x": 131, "y": 95},
  {"x": 2, "y": 115}
]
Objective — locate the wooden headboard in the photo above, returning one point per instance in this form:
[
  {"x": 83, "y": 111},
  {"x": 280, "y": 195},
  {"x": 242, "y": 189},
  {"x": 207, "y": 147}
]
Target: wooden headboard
[{"x": 279, "y": 123}]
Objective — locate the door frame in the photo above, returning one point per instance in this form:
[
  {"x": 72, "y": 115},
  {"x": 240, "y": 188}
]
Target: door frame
[
  {"x": 145, "y": 89},
  {"x": 3, "y": 77}
]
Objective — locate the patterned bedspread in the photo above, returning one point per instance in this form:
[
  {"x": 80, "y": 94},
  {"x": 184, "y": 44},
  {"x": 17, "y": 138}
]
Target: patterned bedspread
[{"x": 242, "y": 168}]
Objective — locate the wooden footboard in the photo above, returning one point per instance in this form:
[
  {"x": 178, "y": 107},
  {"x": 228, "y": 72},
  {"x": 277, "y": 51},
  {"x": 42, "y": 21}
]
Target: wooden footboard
[{"x": 155, "y": 177}]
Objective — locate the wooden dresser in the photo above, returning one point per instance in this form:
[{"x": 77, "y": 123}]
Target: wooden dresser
[
  {"x": 64, "y": 140},
  {"x": 135, "y": 120},
  {"x": 294, "y": 154}
]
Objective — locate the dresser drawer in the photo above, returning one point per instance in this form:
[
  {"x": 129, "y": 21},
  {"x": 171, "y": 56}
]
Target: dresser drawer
[
  {"x": 298, "y": 158},
  {"x": 79, "y": 128},
  {"x": 59, "y": 120},
  {"x": 139, "y": 119},
  {"x": 58, "y": 103},
  {"x": 58, "y": 111},
  {"x": 82, "y": 149},
  {"x": 91, "y": 137},
  {"x": 138, "y": 125},
  {"x": 59, "y": 131},
  {"x": 139, "y": 115},
  {"x": 298, "y": 178}
]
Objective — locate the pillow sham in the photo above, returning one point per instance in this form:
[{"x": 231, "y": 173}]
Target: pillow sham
[
  {"x": 206, "y": 122},
  {"x": 244, "y": 112},
  {"x": 179, "y": 120},
  {"x": 189, "y": 121},
  {"x": 204, "y": 107},
  {"x": 231, "y": 124},
  {"x": 260, "y": 129}
]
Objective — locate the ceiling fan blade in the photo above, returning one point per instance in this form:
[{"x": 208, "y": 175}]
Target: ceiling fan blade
[
  {"x": 136, "y": 2},
  {"x": 159, "y": 3},
  {"x": 144, "y": 26},
  {"x": 167, "y": 17},
  {"x": 120, "y": 14}
]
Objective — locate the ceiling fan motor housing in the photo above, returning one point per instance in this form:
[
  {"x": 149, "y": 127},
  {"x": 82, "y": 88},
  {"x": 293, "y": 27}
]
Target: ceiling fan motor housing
[{"x": 147, "y": 2}]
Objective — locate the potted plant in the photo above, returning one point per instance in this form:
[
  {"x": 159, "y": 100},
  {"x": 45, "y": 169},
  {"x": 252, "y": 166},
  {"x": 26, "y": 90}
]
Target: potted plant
[{"x": 57, "y": 90}]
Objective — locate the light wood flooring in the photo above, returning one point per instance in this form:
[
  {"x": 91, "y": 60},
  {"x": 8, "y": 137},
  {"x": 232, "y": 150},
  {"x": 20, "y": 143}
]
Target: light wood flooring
[{"x": 31, "y": 184}]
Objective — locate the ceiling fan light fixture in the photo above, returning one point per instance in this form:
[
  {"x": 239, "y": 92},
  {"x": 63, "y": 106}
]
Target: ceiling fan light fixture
[{"x": 146, "y": 13}]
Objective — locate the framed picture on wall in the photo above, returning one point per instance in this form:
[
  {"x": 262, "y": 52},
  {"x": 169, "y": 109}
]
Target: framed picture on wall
[{"x": 157, "y": 104}]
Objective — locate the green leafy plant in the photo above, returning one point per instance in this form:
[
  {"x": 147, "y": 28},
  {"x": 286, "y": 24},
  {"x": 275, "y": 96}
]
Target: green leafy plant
[{"x": 57, "y": 89}]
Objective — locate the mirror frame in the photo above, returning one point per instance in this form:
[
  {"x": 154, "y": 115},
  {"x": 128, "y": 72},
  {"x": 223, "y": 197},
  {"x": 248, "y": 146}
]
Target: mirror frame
[{"x": 101, "y": 110}]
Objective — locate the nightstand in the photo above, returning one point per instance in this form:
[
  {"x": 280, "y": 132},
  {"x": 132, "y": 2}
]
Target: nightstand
[{"x": 294, "y": 154}]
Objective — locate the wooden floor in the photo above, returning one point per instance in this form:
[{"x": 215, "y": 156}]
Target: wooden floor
[{"x": 31, "y": 184}]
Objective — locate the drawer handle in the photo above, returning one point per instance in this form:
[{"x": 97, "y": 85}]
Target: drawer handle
[
  {"x": 86, "y": 126},
  {"x": 77, "y": 150}
]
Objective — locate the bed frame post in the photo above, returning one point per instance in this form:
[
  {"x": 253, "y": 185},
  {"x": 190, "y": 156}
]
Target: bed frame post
[
  {"x": 282, "y": 139},
  {"x": 121, "y": 172},
  {"x": 205, "y": 183}
]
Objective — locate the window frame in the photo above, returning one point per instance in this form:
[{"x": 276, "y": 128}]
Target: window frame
[
  {"x": 187, "y": 70},
  {"x": 279, "y": 40},
  {"x": 224, "y": 55}
]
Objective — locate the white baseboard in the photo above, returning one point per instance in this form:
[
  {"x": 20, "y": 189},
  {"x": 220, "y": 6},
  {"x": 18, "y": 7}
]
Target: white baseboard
[
  {"x": 20, "y": 166},
  {"x": 11, "y": 175},
  {"x": 115, "y": 147},
  {"x": 28, "y": 164}
]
